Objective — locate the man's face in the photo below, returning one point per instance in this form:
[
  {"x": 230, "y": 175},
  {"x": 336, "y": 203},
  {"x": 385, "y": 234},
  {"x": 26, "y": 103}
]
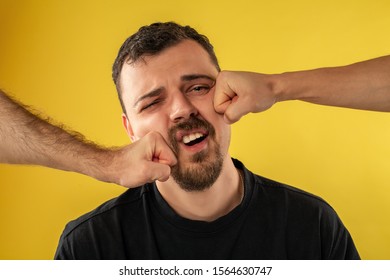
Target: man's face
[{"x": 172, "y": 93}]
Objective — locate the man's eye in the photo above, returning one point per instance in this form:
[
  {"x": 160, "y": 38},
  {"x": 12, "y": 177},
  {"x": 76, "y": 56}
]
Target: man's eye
[
  {"x": 200, "y": 89},
  {"x": 150, "y": 105}
]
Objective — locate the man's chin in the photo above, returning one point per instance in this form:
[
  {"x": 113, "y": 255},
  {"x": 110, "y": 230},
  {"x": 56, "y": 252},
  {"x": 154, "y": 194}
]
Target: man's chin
[{"x": 197, "y": 173}]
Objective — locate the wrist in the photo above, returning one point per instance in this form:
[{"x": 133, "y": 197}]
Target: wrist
[
  {"x": 276, "y": 86},
  {"x": 101, "y": 165},
  {"x": 293, "y": 85}
]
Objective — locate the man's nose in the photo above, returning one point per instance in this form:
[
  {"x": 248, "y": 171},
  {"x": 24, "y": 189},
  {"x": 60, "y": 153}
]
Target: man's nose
[{"x": 182, "y": 108}]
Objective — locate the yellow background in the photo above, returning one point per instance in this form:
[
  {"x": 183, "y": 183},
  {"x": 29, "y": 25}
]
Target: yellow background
[{"x": 56, "y": 56}]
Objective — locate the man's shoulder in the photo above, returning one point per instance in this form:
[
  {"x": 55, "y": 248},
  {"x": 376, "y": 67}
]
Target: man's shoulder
[
  {"x": 125, "y": 202},
  {"x": 284, "y": 196},
  {"x": 281, "y": 189},
  {"x": 275, "y": 189},
  {"x": 306, "y": 217}
]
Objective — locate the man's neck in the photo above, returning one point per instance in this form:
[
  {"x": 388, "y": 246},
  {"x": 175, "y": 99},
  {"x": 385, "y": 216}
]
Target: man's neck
[{"x": 222, "y": 197}]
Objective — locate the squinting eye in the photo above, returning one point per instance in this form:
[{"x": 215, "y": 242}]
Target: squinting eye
[{"x": 150, "y": 105}]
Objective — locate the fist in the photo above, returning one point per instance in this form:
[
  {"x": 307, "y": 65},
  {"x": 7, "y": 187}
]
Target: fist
[
  {"x": 240, "y": 93},
  {"x": 146, "y": 160}
]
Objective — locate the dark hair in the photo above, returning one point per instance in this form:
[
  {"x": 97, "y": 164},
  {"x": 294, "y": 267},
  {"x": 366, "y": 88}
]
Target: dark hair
[{"x": 152, "y": 39}]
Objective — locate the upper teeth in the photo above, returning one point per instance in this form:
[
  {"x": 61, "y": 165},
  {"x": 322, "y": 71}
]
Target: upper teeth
[{"x": 191, "y": 137}]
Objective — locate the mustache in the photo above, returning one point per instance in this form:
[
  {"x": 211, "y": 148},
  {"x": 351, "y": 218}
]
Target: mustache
[{"x": 189, "y": 124}]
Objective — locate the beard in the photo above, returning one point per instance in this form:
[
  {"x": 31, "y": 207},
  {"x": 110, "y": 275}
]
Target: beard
[{"x": 204, "y": 167}]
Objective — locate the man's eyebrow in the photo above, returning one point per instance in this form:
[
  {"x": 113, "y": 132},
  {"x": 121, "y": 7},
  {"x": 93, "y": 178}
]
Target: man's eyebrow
[
  {"x": 187, "y": 78},
  {"x": 153, "y": 93}
]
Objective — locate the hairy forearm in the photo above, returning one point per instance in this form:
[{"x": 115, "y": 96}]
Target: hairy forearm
[
  {"x": 363, "y": 85},
  {"x": 26, "y": 138}
]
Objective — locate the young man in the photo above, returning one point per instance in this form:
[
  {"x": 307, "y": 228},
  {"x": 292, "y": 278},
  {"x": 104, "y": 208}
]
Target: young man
[{"x": 211, "y": 206}]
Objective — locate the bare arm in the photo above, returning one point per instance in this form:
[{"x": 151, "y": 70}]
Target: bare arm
[
  {"x": 364, "y": 85},
  {"x": 26, "y": 138}
]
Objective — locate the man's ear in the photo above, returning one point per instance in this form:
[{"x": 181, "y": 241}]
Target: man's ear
[{"x": 128, "y": 128}]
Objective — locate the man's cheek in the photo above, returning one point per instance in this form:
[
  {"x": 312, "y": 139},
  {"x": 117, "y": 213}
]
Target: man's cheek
[{"x": 149, "y": 125}]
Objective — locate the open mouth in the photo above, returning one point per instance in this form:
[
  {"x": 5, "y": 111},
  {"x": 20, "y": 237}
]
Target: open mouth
[{"x": 193, "y": 138}]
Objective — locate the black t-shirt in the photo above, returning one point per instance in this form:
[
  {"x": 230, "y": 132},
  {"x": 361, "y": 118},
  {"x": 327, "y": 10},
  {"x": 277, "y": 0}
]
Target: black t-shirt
[{"x": 274, "y": 221}]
